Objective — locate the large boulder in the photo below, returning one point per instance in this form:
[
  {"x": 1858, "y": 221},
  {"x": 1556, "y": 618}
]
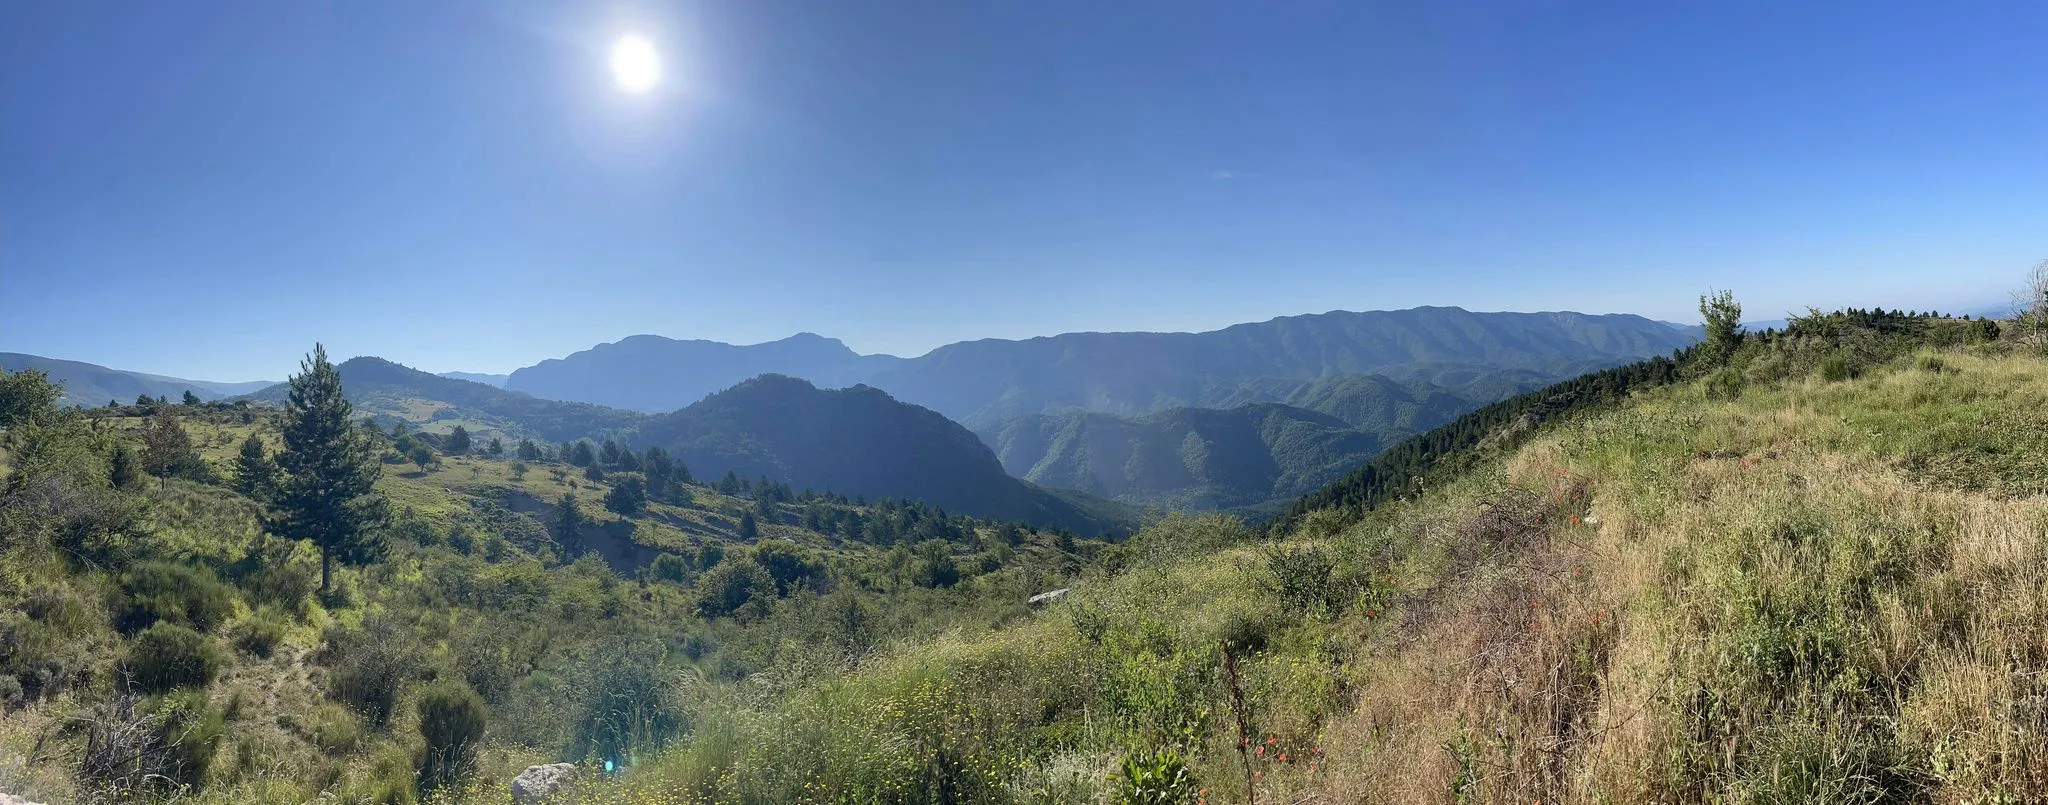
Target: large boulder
[
  {"x": 539, "y": 783},
  {"x": 10, "y": 799}
]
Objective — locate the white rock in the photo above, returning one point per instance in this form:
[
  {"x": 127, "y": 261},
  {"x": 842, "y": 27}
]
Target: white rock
[
  {"x": 537, "y": 783},
  {"x": 10, "y": 799}
]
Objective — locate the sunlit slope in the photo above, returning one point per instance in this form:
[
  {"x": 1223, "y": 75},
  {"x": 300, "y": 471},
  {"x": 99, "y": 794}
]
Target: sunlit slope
[{"x": 1792, "y": 590}]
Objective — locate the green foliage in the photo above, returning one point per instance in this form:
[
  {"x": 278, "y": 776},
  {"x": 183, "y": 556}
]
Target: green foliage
[
  {"x": 124, "y": 470},
  {"x": 255, "y": 472},
  {"x": 1838, "y": 367},
  {"x": 458, "y": 442},
  {"x": 1722, "y": 316},
  {"x": 189, "y": 730},
  {"x": 26, "y": 397},
  {"x": 628, "y": 495},
  {"x": 569, "y": 524},
  {"x": 369, "y": 666},
  {"x": 167, "y": 448},
  {"x": 749, "y": 529},
  {"x": 451, "y": 722},
  {"x": 261, "y": 633},
  {"x": 740, "y": 588},
  {"x": 631, "y": 706},
  {"x": 167, "y": 656},
  {"x": 179, "y": 594},
  {"x": 932, "y": 565},
  {"x": 1303, "y": 579},
  {"x": 328, "y": 496},
  {"x": 1155, "y": 777}
]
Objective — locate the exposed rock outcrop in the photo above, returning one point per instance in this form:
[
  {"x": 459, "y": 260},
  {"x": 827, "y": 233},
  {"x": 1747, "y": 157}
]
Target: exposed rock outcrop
[{"x": 537, "y": 784}]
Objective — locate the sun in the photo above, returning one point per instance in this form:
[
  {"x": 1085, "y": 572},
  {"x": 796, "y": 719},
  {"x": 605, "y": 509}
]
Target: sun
[{"x": 636, "y": 67}]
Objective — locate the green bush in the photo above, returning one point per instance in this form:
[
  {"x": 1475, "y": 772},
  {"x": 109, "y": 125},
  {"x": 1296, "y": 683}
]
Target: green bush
[
  {"x": 161, "y": 591},
  {"x": 189, "y": 732},
  {"x": 1837, "y": 368},
  {"x": 167, "y": 656},
  {"x": 1155, "y": 777},
  {"x": 260, "y": 633},
  {"x": 370, "y": 665},
  {"x": 630, "y": 706},
  {"x": 452, "y": 724}
]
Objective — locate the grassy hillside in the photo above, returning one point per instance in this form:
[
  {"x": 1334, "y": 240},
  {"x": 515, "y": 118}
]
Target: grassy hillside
[
  {"x": 1805, "y": 578},
  {"x": 1806, "y": 569},
  {"x": 393, "y": 393},
  {"x": 305, "y": 691}
]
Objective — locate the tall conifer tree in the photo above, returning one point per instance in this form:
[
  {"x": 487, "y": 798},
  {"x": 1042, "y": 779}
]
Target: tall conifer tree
[{"x": 328, "y": 495}]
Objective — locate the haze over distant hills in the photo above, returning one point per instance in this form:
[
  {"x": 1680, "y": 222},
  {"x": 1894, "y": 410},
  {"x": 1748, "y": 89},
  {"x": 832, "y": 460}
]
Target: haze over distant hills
[
  {"x": 89, "y": 384},
  {"x": 983, "y": 382},
  {"x": 655, "y": 374},
  {"x": 1283, "y": 439}
]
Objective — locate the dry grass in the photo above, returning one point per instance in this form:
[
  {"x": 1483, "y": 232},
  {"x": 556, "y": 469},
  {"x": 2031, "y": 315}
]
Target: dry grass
[{"x": 1766, "y": 599}]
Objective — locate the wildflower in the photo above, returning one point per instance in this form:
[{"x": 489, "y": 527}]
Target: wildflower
[
  {"x": 1270, "y": 740},
  {"x": 1283, "y": 757},
  {"x": 1258, "y": 775},
  {"x": 1261, "y": 751}
]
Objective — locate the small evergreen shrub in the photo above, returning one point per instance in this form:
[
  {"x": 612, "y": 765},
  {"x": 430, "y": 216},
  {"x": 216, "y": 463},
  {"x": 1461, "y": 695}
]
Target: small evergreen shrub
[
  {"x": 167, "y": 656},
  {"x": 189, "y": 733},
  {"x": 162, "y": 591},
  {"x": 452, "y": 724},
  {"x": 260, "y": 634}
]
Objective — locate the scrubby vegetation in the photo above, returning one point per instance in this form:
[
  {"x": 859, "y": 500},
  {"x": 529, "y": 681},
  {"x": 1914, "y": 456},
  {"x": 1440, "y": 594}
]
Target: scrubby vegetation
[{"x": 1797, "y": 565}]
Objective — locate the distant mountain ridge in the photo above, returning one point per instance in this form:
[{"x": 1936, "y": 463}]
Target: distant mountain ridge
[
  {"x": 655, "y": 374},
  {"x": 90, "y": 384},
  {"x": 981, "y": 383}
]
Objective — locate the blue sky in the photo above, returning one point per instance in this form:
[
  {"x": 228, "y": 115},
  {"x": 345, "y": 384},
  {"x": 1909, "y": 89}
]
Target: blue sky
[{"x": 205, "y": 189}]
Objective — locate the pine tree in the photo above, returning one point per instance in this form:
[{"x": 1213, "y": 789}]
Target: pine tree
[
  {"x": 609, "y": 453},
  {"x": 123, "y": 474},
  {"x": 166, "y": 447},
  {"x": 628, "y": 495},
  {"x": 458, "y": 441},
  {"x": 581, "y": 455},
  {"x": 327, "y": 495},
  {"x": 496, "y": 448},
  {"x": 749, "y": 530},
  {"x": 255, "y": 473},
  {"x": 569, "y": 522},
  {"x": 190, "y": 398},
  {"x": 528, "y": 451}
]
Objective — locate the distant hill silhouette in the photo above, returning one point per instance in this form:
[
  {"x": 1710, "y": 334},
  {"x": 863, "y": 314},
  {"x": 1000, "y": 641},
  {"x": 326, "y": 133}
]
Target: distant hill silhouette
[
  {"x": 981, "y": 383},
  {"x": 656, "y": 374},
  {"x": 89, "y": 384},
  {"x": 477, "y": 377},
  {"x": 858, "y": 441}
]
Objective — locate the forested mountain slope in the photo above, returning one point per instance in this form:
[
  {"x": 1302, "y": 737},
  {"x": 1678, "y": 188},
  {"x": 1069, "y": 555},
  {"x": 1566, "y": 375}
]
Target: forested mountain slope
[
  {"x": 858, "y": 441},
  {"x": 979, "y": 382}
]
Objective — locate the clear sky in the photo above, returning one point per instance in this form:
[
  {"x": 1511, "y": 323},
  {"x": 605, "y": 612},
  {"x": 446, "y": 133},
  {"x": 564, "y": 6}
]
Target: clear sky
[{"x": 205, "y": 189}]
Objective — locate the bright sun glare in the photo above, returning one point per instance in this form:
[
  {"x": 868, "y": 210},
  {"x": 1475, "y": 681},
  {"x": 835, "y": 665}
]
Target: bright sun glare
[{"x": 635, "y": 65}]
